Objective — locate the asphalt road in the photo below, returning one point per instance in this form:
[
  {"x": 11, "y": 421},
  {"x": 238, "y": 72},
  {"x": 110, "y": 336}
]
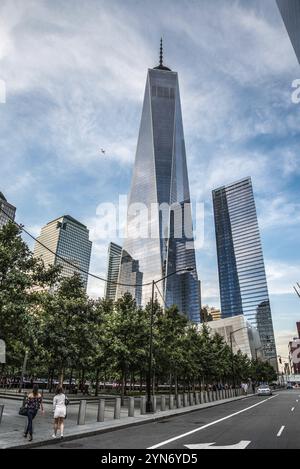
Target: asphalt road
[{"x": 254, "y": 423}]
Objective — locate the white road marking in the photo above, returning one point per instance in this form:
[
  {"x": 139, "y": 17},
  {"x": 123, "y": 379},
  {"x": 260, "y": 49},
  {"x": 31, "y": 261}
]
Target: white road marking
[
  {"x": 281, "y": 430},
  {"x": 240, "y": 445},
  {"x": 292, "y": 409},
  {"x": 163, "y": 443}
]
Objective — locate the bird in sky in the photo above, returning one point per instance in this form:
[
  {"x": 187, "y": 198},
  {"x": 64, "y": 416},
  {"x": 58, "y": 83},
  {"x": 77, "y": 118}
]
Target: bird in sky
[{"x": 103, "y": 151}]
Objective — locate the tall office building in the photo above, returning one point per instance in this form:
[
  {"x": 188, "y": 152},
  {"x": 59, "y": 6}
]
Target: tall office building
[
  {"x": 68, "y": 239},
  {"x": 242, "y": 277},
  {"x": 290, "y": 12},
  {"x": 113, "y": 267},
  {"x": 7, "y": 211},
  {"x": 160, "y": 184}
]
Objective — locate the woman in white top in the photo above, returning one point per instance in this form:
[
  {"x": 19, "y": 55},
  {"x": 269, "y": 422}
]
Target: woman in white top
[{"x": 60, "y": 411}]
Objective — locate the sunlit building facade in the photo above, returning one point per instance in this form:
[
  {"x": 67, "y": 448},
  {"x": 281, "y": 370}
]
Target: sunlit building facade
[
  {"x": 242, "y": 277},
  {"x": 164, "y": 244},
  {"x": 113, "y": 267},
  {"x": 68, "y": 245}
]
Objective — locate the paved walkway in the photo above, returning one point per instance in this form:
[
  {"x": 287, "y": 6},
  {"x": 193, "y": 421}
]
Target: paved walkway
[{"x": 12, "y": 426}]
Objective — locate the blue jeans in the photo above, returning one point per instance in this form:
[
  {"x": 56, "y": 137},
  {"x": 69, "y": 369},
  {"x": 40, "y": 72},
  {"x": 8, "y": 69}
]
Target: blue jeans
[{"x": 30, "y": 416}]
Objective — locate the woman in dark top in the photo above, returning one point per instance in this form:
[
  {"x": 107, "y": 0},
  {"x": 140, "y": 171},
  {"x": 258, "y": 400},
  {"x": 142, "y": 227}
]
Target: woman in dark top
[{"x": 33, "y": 403}]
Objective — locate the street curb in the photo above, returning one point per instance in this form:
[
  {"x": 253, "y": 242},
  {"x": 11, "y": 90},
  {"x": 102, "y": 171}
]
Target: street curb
[{"x": 121, "y": 426}]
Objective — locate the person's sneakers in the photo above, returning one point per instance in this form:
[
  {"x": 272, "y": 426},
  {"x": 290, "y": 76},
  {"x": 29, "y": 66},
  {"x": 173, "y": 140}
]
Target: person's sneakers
[
  {"x": 25, "y": 435},
  {"x": 53, "y": 436},
  {"x": 30, "y": 438}
]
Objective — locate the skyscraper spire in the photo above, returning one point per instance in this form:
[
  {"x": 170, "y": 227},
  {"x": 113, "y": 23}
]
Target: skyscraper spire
[
  {"x": 161, "y": 53},
  {"x": 161, "y": 65}
]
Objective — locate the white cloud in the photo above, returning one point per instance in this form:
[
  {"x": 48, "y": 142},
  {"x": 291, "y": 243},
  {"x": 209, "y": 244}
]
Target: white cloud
[
  {"x": 281, "y": 276},
  {"x": 279, "y": 212}
]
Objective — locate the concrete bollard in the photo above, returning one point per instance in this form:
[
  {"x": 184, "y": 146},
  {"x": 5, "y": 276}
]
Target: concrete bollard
[
  {"x": 179, "y": 401},
  {"x": 154, "y": 403},
  {"x": 185, "y": 400},
  {"x": 197, "y": 398},
  {"x": 192, "y": 399},
  {"x": 101, "y": 410},
  {"x": 131, "y": 407},
  {"x": 171, "y": 402},
  {"x": 117, "y": 411},
  {"x": 81, "y": 413},
  {"x": 1, "y": 412},
  {"x": 163, "y": 403},
  {"x": 143, "y": 405}
]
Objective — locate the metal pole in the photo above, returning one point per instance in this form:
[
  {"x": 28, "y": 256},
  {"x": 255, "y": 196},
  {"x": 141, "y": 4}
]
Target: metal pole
[
  {"x": 232, "y": 362},
  {"x": 149, "y": 406}
]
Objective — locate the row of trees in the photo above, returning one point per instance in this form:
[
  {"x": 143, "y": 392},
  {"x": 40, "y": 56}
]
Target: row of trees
[{"x": 68, "y": 335}]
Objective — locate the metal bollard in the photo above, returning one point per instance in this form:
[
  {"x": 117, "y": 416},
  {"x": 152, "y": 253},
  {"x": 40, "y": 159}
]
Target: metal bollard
[
  {"x": 185, "y": 400},
  {"x": 101, "y": 410},
  {"x": 131, "y": 407},
  {"x": 117, "y": 412},
  {"x": 171, "y": 402},
  {"x": 143, "y": 405},
  {"x": 163, "y": 403},
  {"x": 1, "y": 411},
  {"x": 192, "y": 399},
  {"x": 81, "y": 413},
  {"x": 179, "y": 401},
  {"x": 197, "y": 398}
]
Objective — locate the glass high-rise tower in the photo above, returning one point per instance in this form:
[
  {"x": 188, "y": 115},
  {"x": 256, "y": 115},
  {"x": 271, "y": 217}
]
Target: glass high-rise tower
[
  {"x": 66, "y": 238},
  {"x": 242, "y": 277},
  {"x": 160, "y": 186},
  {"x": 290, "y": 12},
  {"x": 7, "y": 212}
]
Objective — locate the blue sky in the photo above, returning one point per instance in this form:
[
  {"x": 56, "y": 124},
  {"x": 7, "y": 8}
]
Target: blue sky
[{"x": 75, "y": 75}]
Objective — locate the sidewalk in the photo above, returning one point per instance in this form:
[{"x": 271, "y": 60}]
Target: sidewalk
[{"x": 12, "y": 426}]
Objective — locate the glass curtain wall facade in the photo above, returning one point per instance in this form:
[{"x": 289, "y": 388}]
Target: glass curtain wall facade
[
  {"x": 160, "y": 183},
  {"x": 69, "y": 239},
  {"x": 242, "y": 277},
  {"x": 7, "y": 212},
  {"x": 290, "y": 12},
  {"x": 113, "y": 267}
]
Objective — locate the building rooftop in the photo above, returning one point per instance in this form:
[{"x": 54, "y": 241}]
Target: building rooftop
[{"x": 68, "y": 217}]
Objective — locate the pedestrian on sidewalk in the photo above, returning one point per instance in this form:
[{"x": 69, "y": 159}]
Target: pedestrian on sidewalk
[
  {"x": 60, "y": 402},
  {"x": 34, "y": 402}
]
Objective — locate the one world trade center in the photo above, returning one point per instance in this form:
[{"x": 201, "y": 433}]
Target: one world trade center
[{"x": 159, "y": 239}]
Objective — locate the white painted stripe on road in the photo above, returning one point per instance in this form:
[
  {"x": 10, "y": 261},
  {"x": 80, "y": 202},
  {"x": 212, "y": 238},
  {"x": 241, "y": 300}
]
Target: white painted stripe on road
[
  {"x": 292, "y": 409},
  {"x": 163, "y": 443},
  {"x": 281, "y": 430}
]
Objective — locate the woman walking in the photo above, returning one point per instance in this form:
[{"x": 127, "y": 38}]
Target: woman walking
[
  {"x": 33, "y": 403},
  {"x": 60, "y": 411}
]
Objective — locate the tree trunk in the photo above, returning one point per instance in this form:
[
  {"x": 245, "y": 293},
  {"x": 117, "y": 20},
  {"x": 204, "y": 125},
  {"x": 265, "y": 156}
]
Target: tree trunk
[{"x": 61, "y": 376}]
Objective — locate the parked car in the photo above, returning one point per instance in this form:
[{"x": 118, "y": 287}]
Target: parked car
[{"x": 264, "y": 390}]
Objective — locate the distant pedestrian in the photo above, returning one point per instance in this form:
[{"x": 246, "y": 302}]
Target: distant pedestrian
[
  {"x": 33, "y": 403},
  {"x": 60, "y": 402}
]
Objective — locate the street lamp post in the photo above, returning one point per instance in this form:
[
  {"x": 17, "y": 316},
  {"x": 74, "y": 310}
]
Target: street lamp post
[{"x": 149, "y": 405}]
